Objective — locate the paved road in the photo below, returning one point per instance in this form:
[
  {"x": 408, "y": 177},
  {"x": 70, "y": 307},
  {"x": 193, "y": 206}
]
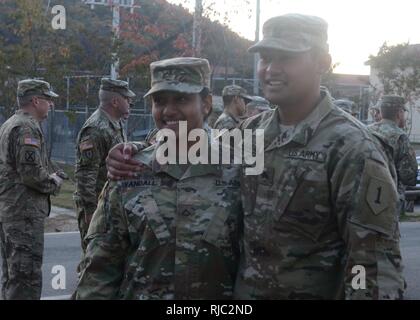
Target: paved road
[
  {"x": 64, "y": 249},
  {"x": 61, "y": 249},
  {"x": 410, "y": 250}
]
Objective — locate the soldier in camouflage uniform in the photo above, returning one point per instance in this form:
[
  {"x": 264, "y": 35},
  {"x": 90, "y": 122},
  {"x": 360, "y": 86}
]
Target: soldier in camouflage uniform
[
  {"x": 25, "y": 189},
  {"x": 235, "y": 99},
  {"x": 99, "y": 134},
  {"x": 391, "y": 129},
  {"x": 326, "y": 202},
  {"x": 171, "y": 232}
]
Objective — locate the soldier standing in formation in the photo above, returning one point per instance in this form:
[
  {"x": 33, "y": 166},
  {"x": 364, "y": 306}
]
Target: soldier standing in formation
[
  {"x": 99, "y": 134},
  {"x": 325, "y": 207},
  {"x": 391, "y": 129},
  {"x": 235, "y": 99},
  {"x": 173, "y": 231},
  {"x": 25, "y": 189}
]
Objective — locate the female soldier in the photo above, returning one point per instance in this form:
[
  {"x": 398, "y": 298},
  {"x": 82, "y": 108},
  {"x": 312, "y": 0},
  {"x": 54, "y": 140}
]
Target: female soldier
[{"x": 171, "y": 232}]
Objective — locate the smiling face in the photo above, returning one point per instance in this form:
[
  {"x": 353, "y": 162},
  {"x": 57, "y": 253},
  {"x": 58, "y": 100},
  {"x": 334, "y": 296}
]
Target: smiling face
[
  {"x": 168, "y": 108},
  {"x": 287, "y": 77}
]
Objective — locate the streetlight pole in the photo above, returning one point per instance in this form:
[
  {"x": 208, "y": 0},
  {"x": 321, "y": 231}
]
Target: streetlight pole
[
  {"x": 196, "y": 42},
  {"x": 115, "y": 5},
  {"x": 257, "y": 38}
]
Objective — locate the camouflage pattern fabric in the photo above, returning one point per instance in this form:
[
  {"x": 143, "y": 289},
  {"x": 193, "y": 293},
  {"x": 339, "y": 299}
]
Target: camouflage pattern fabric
[
  {"x": 187, "y": 75},
  {"x": 325, "y": 203},
  {"x": 31, "y": 87},
  {"x": 97, "y": 136},
  {"x": 226, "y": 121},
  {"x": 403, "y": 153},
  {"x": 25, "y": 188},
  {"x": 21, "y": 253},
  {"x": 171, "y": 233}
]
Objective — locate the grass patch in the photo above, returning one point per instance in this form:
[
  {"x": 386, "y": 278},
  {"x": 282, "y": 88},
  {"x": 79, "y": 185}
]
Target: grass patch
[{"x": 406, "y": 218}]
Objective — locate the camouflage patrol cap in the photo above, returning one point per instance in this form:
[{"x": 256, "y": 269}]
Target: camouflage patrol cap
[
  {"x": 35, "y": 87},
  {"x": 187, "y": 75},
  {"x": 118, "y": 86},
  {"x": 234, "y": 90},
  {"x": 294, "y": 33},
  {"x": 392, "y": 101}
]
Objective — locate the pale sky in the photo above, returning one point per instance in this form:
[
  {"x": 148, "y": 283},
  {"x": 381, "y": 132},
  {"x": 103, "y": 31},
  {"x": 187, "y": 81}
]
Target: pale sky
[{"x": 357, "y": 28}]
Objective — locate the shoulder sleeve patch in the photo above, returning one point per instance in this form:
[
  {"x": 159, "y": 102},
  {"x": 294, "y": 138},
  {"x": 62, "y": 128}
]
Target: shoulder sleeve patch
[
  {"x": 28, "y": 140},
  {"x": 86, "y": 145},
  {"x": 378, "y": 210}
]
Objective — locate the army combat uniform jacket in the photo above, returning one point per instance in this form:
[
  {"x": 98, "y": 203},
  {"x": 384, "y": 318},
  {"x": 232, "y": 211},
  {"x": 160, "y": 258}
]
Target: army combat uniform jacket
[
  {"x": 226, "y": 121},
  {"x": 97, "y": 136},
  {"x": 403, "y": 154},
  {"x": 169, "y": 234},
  {"x": 25, "y": 184},
  {"x": 322, "y": 212}
]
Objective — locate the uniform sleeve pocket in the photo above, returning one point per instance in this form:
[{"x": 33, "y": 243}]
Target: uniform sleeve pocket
[{"x": 145, "y": 224}]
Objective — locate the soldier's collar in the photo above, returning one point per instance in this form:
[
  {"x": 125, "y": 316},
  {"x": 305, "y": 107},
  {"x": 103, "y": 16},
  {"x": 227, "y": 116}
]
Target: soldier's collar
[
  {"x": 114, "y": 123},
  {"x": 304, "y": 130}
]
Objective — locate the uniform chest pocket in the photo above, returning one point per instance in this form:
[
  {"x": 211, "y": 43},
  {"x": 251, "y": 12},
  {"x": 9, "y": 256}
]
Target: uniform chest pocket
[
  {"x": 217, "y": 231},
  {"x": 147, "y": 228},
  {"x": 306, "y": 210}
]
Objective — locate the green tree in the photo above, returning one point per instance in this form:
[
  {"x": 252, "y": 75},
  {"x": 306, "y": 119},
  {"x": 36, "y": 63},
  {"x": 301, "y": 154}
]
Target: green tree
[{"x": 398, "y": 70}]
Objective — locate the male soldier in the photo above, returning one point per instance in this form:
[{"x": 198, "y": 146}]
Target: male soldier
[
  {"x": 390, "y": 127},
  {"x": 323, "y": 210},
  {"x": 320, "y": 222},
  {"x": 235, "y": 99},
  {"x": 98, "y": 135},
  {"x": 25, "y": 189}
]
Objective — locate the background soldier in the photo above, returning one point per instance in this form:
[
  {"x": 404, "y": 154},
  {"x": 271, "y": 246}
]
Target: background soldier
[
  {"x": 99, "y": 134},
  {"x": 25, "y": 189},
  {"x": 391, "y": 129},
  {"x": 235, "y": 99}
]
